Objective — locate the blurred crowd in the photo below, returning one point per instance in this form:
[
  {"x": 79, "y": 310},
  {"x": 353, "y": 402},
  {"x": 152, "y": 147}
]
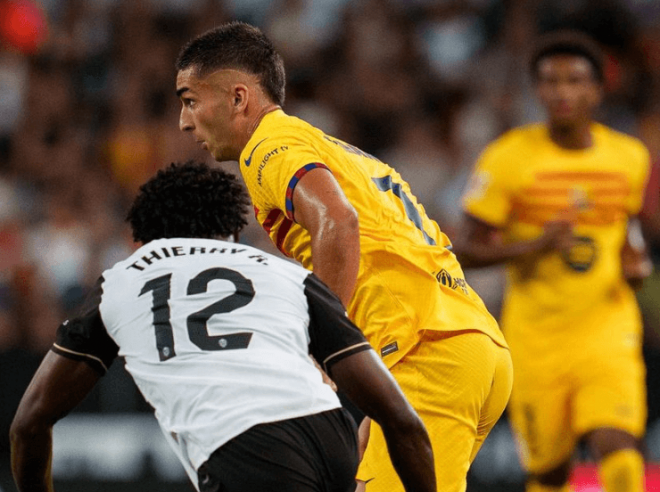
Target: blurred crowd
[{"x": 89, "y": 113}]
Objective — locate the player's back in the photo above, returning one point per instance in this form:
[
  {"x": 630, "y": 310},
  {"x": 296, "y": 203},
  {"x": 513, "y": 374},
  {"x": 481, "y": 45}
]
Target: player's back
[
  {"x": 215, "y": 335},
  {"x": 409, "y": 280}
]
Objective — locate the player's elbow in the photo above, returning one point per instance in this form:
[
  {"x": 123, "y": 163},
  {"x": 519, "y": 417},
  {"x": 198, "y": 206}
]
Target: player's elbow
[
  {"x": 404, "y": 421},
  {"x": 25, "y": 427},
  {"x": 30, "y": 420},
  {"x": 473, "y": 254},
  {"x": 465, "y": 254}
]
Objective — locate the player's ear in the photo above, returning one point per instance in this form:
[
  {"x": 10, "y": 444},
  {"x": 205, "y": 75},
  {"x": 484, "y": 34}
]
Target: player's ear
[{"x": 240, "y": 95}]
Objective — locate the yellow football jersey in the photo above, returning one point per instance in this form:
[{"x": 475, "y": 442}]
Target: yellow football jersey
[
  {"x": 409, "y": 280},
  {"x": 524, "y": 180}
]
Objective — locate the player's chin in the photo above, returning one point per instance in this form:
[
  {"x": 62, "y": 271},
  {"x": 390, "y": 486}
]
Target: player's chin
[{"x": 563, "y": 118}]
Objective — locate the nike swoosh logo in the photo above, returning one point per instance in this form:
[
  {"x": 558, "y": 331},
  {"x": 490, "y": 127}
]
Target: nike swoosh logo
[{"x": 248, "y": 161}]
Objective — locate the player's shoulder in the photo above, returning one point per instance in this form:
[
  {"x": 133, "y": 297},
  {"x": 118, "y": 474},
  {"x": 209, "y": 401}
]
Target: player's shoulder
[
  {"x": 516, "y": 145},
  {"x": 278, "y": 137},
  {"x": 522, "y": 138},
  {"x": 622, "y": 142},
  {"x": 280, "y": 126}
]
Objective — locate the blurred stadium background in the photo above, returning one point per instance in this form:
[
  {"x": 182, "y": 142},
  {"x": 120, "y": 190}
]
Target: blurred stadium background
[{"x": 88, "y": 112}]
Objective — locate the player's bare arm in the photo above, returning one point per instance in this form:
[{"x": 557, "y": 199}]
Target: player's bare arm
[
  {"x": 636, "y": 264},
  {"x": 321, "y": 207},
  {"x": 480, "y": 244},
  {"x": 368, "y": 383},
  {"x": 57, "y": 387},
  {"x": 642, "y": 229},
  {"x": 649, "y": 216},
  {"x": 651, "y": 226}
]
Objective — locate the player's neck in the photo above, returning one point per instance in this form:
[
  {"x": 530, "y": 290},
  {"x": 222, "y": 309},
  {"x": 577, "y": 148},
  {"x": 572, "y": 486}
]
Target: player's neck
[
  {"x": 252, "y": 122},
  {"x": 572, "y": 137},
  {"x": 267, "y": 108}
]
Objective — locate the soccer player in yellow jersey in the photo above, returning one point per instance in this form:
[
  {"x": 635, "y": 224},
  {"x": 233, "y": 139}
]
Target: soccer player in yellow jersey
[
  {"x": 554, "y": 201},
  {"x": 355, "y": 222}
]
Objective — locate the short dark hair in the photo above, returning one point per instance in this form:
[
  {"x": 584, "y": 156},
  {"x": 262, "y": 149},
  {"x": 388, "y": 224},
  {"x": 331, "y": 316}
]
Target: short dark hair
[
  {"x": 239, "y": 46},
  {"x": 568, "y": 42},
  {"x": 189, "y": 200}
]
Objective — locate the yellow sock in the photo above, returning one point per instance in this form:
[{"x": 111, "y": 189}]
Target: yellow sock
[
  {"x": 622, "y": 471},
  {"x": 537, "y": 487}
]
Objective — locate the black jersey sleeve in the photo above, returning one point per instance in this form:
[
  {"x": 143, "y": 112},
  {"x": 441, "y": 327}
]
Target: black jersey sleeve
[
  {"x": 84, "y": 336},
  {"x": 332, "y": 335}
]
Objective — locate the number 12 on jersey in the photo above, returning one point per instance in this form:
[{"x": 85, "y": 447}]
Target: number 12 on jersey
[{"x": 197, "y": 321}]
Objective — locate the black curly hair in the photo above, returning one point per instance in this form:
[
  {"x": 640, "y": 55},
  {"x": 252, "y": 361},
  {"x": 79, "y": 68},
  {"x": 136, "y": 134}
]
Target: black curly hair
[
  {"x": 189, "y": 200},
  {"x": 239, "y": 46},
  {"x": 568, "y": 42}
]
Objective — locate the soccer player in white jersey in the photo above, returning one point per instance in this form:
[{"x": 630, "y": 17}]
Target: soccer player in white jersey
[{"x": 217, "y": 337}]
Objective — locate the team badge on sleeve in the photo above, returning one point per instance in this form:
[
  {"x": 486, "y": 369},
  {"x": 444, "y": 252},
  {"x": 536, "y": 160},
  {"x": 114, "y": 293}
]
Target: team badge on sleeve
[{"x": 477, "y": 185}]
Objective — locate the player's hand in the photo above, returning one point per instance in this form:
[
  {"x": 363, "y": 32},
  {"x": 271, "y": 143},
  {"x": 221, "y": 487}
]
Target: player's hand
[
  {"x": 635, "y": 265},
  {"x": 557, "y": 236}
]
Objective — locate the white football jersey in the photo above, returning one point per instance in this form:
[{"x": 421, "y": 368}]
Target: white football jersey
[{"x": 217, "y": 337}]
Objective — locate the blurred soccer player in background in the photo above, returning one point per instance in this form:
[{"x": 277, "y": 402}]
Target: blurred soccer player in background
[
  {"x": 354, "y": 221},
  {"x": 216, "y": 336},
  {"x": 557, "y": 203}
]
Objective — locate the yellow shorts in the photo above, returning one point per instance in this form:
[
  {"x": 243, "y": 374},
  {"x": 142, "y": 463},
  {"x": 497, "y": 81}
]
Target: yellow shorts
[
  {"x": 459, "y": 383},
  {"x": 553, "y": 406}
]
